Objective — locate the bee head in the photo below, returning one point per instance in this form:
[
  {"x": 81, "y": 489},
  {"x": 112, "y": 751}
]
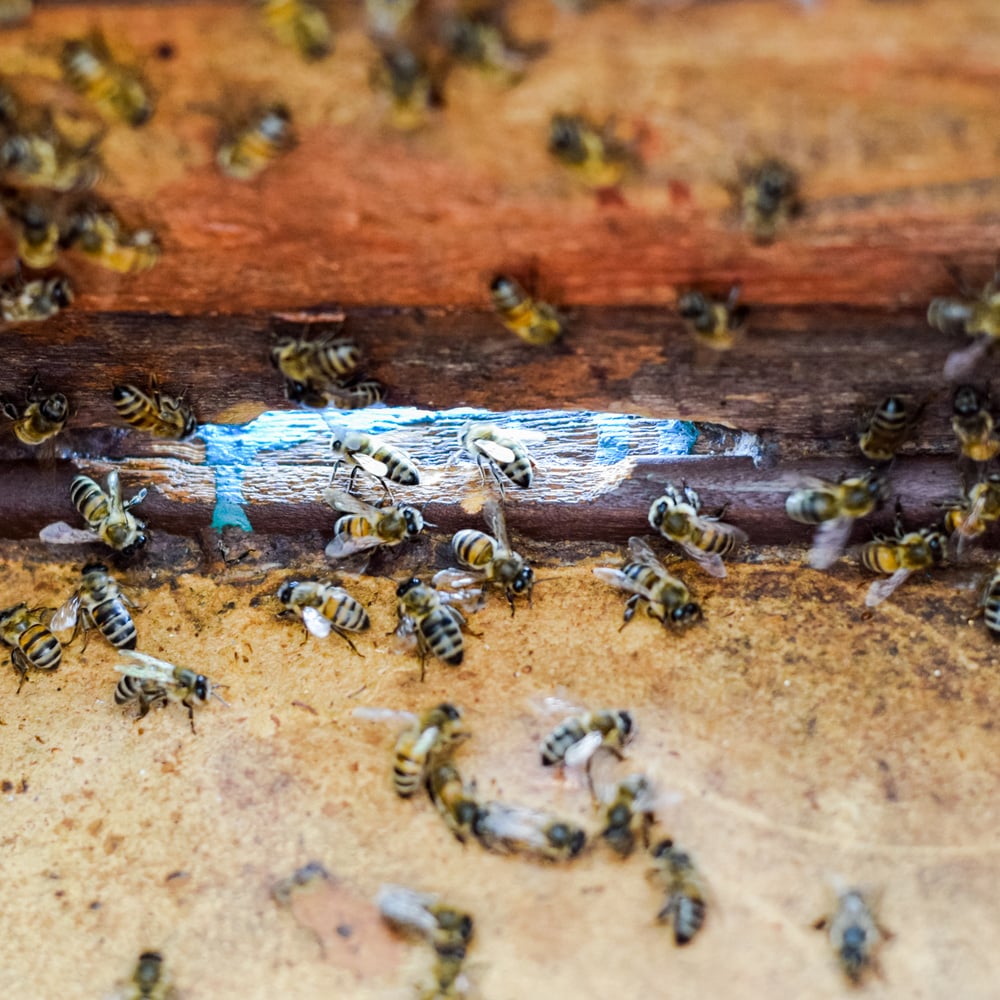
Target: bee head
[
  {"x": 449, "y": 711},
  {"x": 286, "y": 589},
  {"x": 658, "y": 512},
  {"x": 414, "y": 521},
  {"x": 625, "y": 724},
  {"x": 61, "y": 292},
  {"x": 966, "y": 402},
  {"x": 686, "y": 614},
  {"x": 691, "y": 305},
  {"x": 202, "y": 689},
  {"x": 936, "y": 544},
  {"x": 562, "y": 835},
  {"x": 407, "y": 585},
  {"x": 564, "y": 139},
  {"x": 139, "y": 539},
  {"x": 94, "y": 567},
  {"x": 55, "y": 407},
  {"x": 524, "y": 581}
]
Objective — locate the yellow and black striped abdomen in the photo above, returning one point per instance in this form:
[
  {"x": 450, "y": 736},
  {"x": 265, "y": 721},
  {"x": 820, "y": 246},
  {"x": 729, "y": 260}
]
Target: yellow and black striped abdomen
[
  {"x": 811, "y": 506},
  {"x": 991, "y": 606},
  {"x": 880, "y": 557},
  {"x": 337, "y": 359},
  {"x": 354, "y": 526},
  {"x": 90, "y": 500},
  {"x": 399, "y": 469},
  {"x": 472, "y": 548},
  {"x": 111, "y": 617},
  {"x": 709, "y": 539},
  {"x": 344, "y": 612},
  {"x": 442, "y": 635},
  {"x": 40, "y": 647}
]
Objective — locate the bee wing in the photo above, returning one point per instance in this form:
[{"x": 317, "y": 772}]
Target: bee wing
[
  {"x": 881, "y": 590},
  {"x": 405, "y": 636},
  {"x": 577, "y": 756},
  {"x": 454, "y": 579},
  {"x": 506, "y": 822},
  {"x": 316, "y": 623},
  {"x": 60, "y": 533},
  {"x": 145, "y": 667},
  {"x": 499, "y": 453},
  {"x": 641, "y": 552},
  {"x": 960, "y": 363},
  {"x": 370, "y": 465},
  {"x": 829, "y": 542},
  {"x": 373, "y": 714},
  {"x": 616, "y": 578},
  {"x": 347, "y": 545},
  {"x": 113, "y": 488},
  {"x": 469, "y": 601},
  {"x": 65, "y": 617},
  {"x": 348, "y": 503},
  {"x": 710, "y": 562},
  {"x": 497, "y": 523},
  {"x": 407, "y": 908}
]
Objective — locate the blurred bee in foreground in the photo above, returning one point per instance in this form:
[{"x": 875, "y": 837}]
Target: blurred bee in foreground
[
  {"x": 667, "y": 599},
  {"x": 33, "y": 301},
  {"x": 506, "y": 456},
  {"x": 834, "y": 507},
  {"x": 115, "y": 90},
  {"x": 534, "y": 322},
  {"x": 490, "y": 558},
  {"x": 149, "y": 981},
  {"x": 412, "y": 84},
  {"x": 98, "y": 603},
  {"x": 712, "y": 321},
  {"x": 976, "y": 315},
  {"x": 686, "y": 893},
  {"x": 364, "y": 526},
  {"x": 969, "y": 517},
  {"x": 432, "y": 618},
  {"x": 32, "y": 643},
  {"x": 36, "y": 227},
  {"x": 354, "y": 394},
  {"x": 154, "y": 411},
  {"x": 100, "y": 234},
  {"x": 575, "y": 740},
  {"x": 973, "y": 425},
  {"x": 991, "y": 604},
  {"x": 629, "y": 814},
  {"x": 454, "y": 799},
  {"x": 768, "y": 197},
  {"x": 362, "y": 453},
  {"x": 426, "y": 737},
  {"x": 901, "y": 556},
  {"x": 15, "y": 12},
  {"x": 480, "y": 38},
  {"x": 261, "y": 138},
  {"x": 594, "y": 153},
  {"x": 421, "y": 914},
  {"x": 854, "y": 934},
  {"x": 316, "y": 371},
  {"x": 150, "y": 681},
  {"x": 677, "y": 516},
  {"x": 887, "y": 428},
  {"x": 300, "y": 25},
  {"x": 41, "y": 156},
  {"x": 509, "y": 829},
  {"x": 44, "y": 416},
  {"x": 324, "y": 608}
]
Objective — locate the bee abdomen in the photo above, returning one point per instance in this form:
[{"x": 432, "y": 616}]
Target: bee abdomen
[
  {"x": 41, "y": 647},
  {"x": 717, "y": 542},
  {"x": 407, "y": 776},
  {"x": 89, "y": 499},
  {"x": 115, "y": 623},
  {"x": 443, "y": 636},
  {"x": 879, "y": 558},
  {"x": 473, "y": 548},
  {"x": 688, "y": 916},
  {"x": 350, "y": 615},
  {"x": 398, "y": 468},
  {"x": 810, "y": 506},
  {"x": 991, "y": 611},
  {"x": 560, "y": 740}
]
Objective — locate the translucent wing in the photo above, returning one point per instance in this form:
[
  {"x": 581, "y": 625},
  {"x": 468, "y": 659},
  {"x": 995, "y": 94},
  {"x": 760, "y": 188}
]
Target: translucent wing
[
  {"x": 407, "y": 908},
  {"x": 348, "y": 503},
  {"x": 641, "y": 552},
  {"x": 145, "y": 667},
  {"x": 317, "y": 624},
  {"x": 498, "y": 524},
  {"x": 469, "y": 601},
  {"x": 616, "y": 578},
  {"x": 579, "y": 753},
  {"x": 829, "y": 542},
  {"x": 65, "y": 617},
  {"x": 370, "y": 465},
  {"x": 342, "y": 546},
  {"x": 710, "y": 562},
  {"x": 455, "y": 579},
  {"x": 373, "y": 714},
  {"x": 405, "y": 636},
  {"x": 515, "y": 823},
  {"x": 880, "y": 590},
  {"x": 60, "y": 533},
  {"x": 113, "y": 488},
  {"x": 492, "y": 449},
  {"x": 960, "y": 363}
]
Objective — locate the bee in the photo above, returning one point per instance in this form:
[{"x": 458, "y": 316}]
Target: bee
[
  {"x": 434, "y": 619},
  {"x": 581, "y": 735},
  {"x": 973, "y": 514},
  {"x": 491, "y": 558},
  {"x": 300, "y": 25},
  {"x": 107, "y": 514},
  {"x": 150, "y": 981},
  {"x": 667, "y": 598},
  {"x": 481, "y": 39},
  {"x": 510, "y": 829},
  {"x": 991, "y": 605},
  {"x": 686, "y": 894},
  {"x": 324, "y": 608},
  {"x": 834, "y": 507},
  {"x": 411, "y": 84},
  {"x": 712, "y": 321},
  {"x": 313, "y": 368},
  {"x": 41, "y": 156},
  {"x": 98, "y": 603},
  {"x": 355, "y": 395},
  {"x": 429, "y": 736},
  {"x": 974, "y": 314},
  {"x": 37, "y": 231},
  {"x": 43, "y": 418},
  {"x": 421, "y": 914},
  {"x": 768, "y": 196},
  {"x": 381, "y": 461},
  {"x": 100, "y": 234},
  {"x": 32, "y": 643},
  {"x": 629, "y": 812},
  {"x": 973, "y": 425},
  {"x": 534, "y": 322},
  {"x": 676, "y": 515},
  {"x": 154, "y": 411},
  {"x": 34, "y": 301},
  {"x": 115, "y": 90},
  {"x": 151, "y": 681},
  {"x": 453, "y": 798},
  {"x": 887, "y": 428},
  {"x": 901, "y": 556},
  {"x": 506, "y": 456},
  {"x": 262, "y": 138},
  {"x": 365, "y": 527},
  {"x": 854, "y": 934},
  {"x": 595, "y": 154}
]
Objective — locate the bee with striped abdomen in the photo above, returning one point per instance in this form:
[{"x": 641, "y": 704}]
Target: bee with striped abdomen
[
  {"x": 244, "y": 152},
  {"x": 991, "y": 604},
  {"x": 453, "y": 798},
  {"x": 686, "y": 893},
  {"x": 324, "y": 608},
  {"x": 594, "y": 153},
  {"x": 151, "y": 681},
  {"x": 854, "y": 933},
  {"x": 33, "y": 301},
  {"x": 534, "y": 322},
  {"x": 364, "y": 526},
  {"x": 973, "y": 425},
  {"x": 509, "y": 829},
  {"x": 44, "y": 416},
  {"x": 314, "y": 369},
  {"x": 629, "y": 814},
  {"x": 106, "y": 514},
  {"x": 887, "y": 428},
  {"x": 667, "y": 599},
  {"x": 39, "y": 155},
  {"x": 351, "y": 395},
  {"x": 98, "y": 232},
  {"x": 677, "y": 516},
  {"x": 32, "y": 644},
  {"x": 712, "y": 321},
  {"x": 154, "y": 411},
  {"x": 363, "y": 453},
  {"x": 445, "y": 928},
  {"x": 117, "y": 91},
  {"x": 899, "y": 557},
  {"x": 301, "y": 25},
  {"x": 98, "y": 603},
  {"x": 768, "y": 197},
  {"x": 507, "y": 457},
  {"x": 584, "y": 733},
  {"x": 434, "y": 620},
  {"x": 36, "y": 227},
  {"x": 970, "y": 516}
]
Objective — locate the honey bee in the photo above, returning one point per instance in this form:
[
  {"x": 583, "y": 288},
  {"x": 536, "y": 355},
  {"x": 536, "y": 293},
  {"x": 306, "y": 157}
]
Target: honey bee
[
  {"x": 32, "y": 643},
  {"x": 262, "y": 138},
  {"x": 149, "y": 981},
  {"x": 534, "y": 322},
  {"x": 854, "y": 934},
  {"x": 506, "y": 456},
  {"x": 115, "y": 90},
  {"x": 365, "y": 527},
  {"x": 42, "y": 157},
  {"x": 37, "y": 230},
  {"x": 630, "y": 812},
  {"x": 100, "y": 234},
  {"x": 976, "y": 315},
  {"x": 973, "y": 425},
  {"x": 300, "y": 25},
  {"x": 107, "y": 514},
  {"x": 429, "y": 736},
  {"x": 154, "y": 411},
  {"x": 768, "y": 195},
  {"x": 676, "y": 515},
  {"x": 353, "y": 395},
  {"x": 151, "y": 681},
  {"x": 381, "y": 461},
  {"x": 577, "y": 737},
  {"x": 667, "y": 598},
  {"x": 480, "y": 39},
  {"x": 834, "y": 507},
  {"x": 686, "y": 894},
  {"x": 421, "y": 914},
  {"x": 34, "y": 301},
  {"x": 901, "y": 556},
  {"x": 453, "y": 798},
  {"x": 712, "y": 321},
  {"x": 970, "y": 517},
  {"x": 432, "y": 617},
  {"x": 411, "y": 84},
  {"x": 324, "y": 608},
  {"x": 594, "y": 154},
  {"x": 509, "y": 829},
  {"x": 490, "y": 558},
  {"x": 98, "y": 603},
  {"x": 315, "y": 369},
  {"x": 991, "y": 605},
  {"x": 887, "y": 428},
  {"x": 43, "y": 418}
]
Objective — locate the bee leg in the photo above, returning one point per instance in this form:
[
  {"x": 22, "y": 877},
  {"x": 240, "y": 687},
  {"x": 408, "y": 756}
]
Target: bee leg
[
  {"x": 349, "y": 643},
  {"x": 423, "y": 668},
  {"x": 509, "y": 594},
  {"x": 187, "y": 704},
  {"x": 334, "y": 471},
  {"x": 20, "y": 662},
  {"x": 630, "y": 605},
  {"x": 498, "y": 478},
  {"x": 350, "y": 482}
]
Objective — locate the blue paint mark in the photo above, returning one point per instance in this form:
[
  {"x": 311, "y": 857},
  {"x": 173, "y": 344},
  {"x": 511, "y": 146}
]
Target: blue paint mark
[
  {"x": 227, "y": 514},
  {"x": 677, "y": 437}
]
